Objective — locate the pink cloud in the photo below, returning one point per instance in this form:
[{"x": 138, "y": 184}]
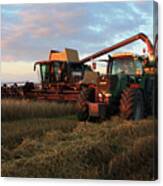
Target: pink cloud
[
  {"x": 38, "y": 24},
  {"x": 8, "y": 58}
]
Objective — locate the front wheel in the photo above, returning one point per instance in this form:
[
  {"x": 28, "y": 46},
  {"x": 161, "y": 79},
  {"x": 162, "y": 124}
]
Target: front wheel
[
  {"x": 86, "y": 95},
  {"x": 132, "y": 104},
  {"x": 83, "y": 111}
]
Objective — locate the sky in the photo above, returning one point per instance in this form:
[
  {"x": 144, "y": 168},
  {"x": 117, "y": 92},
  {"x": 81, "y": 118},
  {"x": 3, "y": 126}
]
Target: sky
[{"x": 30, "y": 31}]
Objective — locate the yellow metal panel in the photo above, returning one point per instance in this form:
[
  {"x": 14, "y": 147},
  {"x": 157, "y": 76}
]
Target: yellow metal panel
[
  {"x": 66, "y": 55},
  {"x": 72, "y": 55},
  {"x": 124, "y": 54}
]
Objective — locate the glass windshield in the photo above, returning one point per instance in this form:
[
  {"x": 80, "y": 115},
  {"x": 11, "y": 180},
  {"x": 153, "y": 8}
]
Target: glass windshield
[
  {"x": 44, "y": 68},
  {"x": 56, "y": 71},
  {"x": 126, "y": 66},
  {"x": 76, "y": 69}
]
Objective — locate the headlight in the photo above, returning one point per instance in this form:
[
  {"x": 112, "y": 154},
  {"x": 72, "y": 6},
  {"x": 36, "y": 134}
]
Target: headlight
[
  {"x": 108, "y": 95},
  {"x": 100, "y": 95}
]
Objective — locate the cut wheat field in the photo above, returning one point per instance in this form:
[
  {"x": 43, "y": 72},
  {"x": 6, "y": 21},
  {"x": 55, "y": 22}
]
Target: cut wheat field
[{"x": 42, "y": 139}]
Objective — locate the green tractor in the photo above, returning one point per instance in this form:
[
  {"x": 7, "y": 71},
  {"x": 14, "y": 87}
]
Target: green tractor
[{"x": 128, "y": 87}]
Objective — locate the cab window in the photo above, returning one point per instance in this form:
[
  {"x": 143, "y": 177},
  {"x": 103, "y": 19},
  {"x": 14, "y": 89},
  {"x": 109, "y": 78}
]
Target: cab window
[
  {"x": 126, "y": 66},
  {"x": 45, "y": 72}
]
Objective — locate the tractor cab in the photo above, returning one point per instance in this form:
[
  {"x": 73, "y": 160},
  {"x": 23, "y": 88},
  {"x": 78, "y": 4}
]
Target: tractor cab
[
  {"x": 130, "y": 70},
  {"x": 124, "y": 69},
  {"x": 125, "y": 63},
  {"x": 117, "y": 72},
  {"x": 60, "y": 71},
  {"x": 118, "y": 64}
]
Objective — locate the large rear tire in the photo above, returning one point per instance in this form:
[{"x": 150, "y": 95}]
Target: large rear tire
[{"x": 132, "y": 104}]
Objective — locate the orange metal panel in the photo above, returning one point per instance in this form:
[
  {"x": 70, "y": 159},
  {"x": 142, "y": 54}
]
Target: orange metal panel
[
  {"x": 93, "y": 109},
  {"x": 66, "y": 55}
]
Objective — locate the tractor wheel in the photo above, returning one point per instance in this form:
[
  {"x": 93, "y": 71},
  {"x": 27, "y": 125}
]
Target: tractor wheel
[
  {"x": 83, "y": 113},
  {"x": 82, "y": 106},
  {"x": 86, "y": 94},
  {"x": 132, "y": 104},
  {"x": 152, "y": 103}
]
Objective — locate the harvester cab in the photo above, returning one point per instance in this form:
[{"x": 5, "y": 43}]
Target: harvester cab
[
  {"x": 129, "y": 86},
  {"x": 62, "y": 67}
]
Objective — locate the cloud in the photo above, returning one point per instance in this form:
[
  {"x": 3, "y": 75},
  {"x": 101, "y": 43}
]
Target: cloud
[{"x": 30, "y": 31}]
